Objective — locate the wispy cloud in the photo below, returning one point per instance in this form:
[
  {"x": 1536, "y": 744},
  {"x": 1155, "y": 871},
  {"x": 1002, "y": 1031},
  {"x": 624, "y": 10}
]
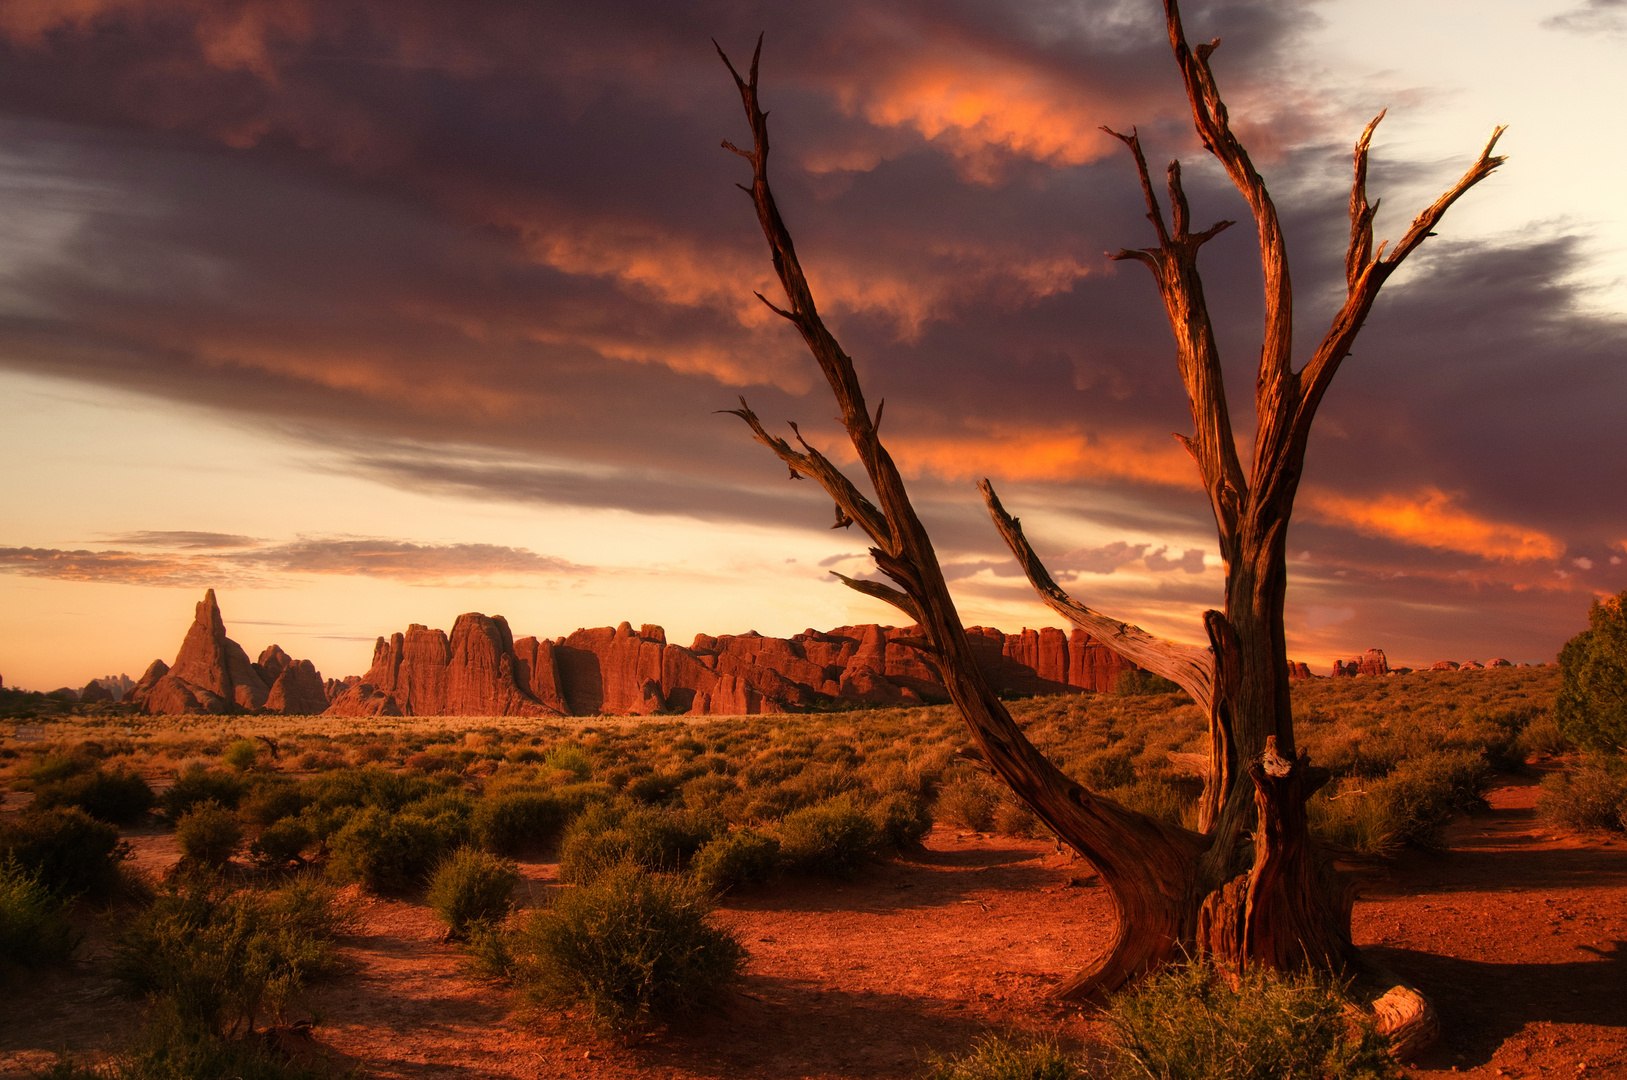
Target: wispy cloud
[
  {"x": 397, "y": 560},
  {"x": 184, "y": 540}
]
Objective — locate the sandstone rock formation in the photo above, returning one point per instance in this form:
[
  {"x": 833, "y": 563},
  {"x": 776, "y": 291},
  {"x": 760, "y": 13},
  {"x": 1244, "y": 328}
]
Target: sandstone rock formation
[
  {"x": 1372, "y": 662},
  {"x": 1299, "y": 669},
  {"x": 1444, "y": 665},
  {"x": 212, "y": 674},
  {"x": 482, "y": 671}
]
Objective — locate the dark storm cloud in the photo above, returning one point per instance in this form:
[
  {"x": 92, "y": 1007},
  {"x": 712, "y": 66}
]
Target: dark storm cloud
[
  {"x": 493, "y": 248},
  {"x": 353, "y": 557}
]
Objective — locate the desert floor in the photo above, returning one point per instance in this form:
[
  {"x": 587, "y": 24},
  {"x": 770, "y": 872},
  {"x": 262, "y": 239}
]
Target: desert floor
[{"x": 1517, "y": 934}]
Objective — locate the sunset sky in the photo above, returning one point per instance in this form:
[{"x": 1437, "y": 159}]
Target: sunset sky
[{"x": 369, "y": 312}]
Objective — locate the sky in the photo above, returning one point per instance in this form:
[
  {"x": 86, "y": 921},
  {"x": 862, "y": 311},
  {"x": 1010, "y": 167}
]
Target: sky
[{"x": 371, "y": 312}]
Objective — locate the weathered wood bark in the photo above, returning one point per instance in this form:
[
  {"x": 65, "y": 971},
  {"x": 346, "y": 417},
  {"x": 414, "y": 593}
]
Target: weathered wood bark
[{"x": 1249, "y": 887}]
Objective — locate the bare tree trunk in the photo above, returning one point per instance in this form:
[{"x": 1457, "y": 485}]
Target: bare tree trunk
[{"x": 1250, "y": 886}]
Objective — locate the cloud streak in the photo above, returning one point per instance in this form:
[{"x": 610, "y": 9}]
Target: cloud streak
[{"x": 396, "y": 560}]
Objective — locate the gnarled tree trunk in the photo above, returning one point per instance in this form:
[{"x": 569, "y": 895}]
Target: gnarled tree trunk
[{"x": 1249, "y": 886}]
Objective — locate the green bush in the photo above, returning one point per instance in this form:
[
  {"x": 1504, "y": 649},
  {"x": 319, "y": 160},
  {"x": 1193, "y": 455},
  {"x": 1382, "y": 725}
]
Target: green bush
[
  {"x": 270, "y": 798},
  {"x": 1408, "y": 807},
  {"x": 1161, "y": 797},
  {"x": 471, "y": 886},
  {"x": 242, "y": 755},
  {"x": 743, "y": 856},
  {"x": 968, "y": 802},
  {"x": 631, "y": 946},
  {"x": 33, "y": 929},
  {"x": 70, "y": 852},
  {"x": 282, "y": 842},
  {"x": 220, "y": 959},
  {"x": 509, "y": 822},
  {"x": 169, "y": 1048},
  {"x": 1593, "y": 796},
  {"x": 568, "y": 757},
  {"x": 606, "y": 835},
  {"x": 385, "y": 851},
  {"x": 832, "y": 839},
  {"x": 368, "y": 786},
  {"x": 995, "y": 1058},
  {"x": 1193, "y": 1023},
  {"x": 903, "y": 819},
  {"x": 198, "y": 785},
  {"x": 1591, "y": 706},
  {"x": 209, "y": 833},
  {"x": 118, "y": 796}
]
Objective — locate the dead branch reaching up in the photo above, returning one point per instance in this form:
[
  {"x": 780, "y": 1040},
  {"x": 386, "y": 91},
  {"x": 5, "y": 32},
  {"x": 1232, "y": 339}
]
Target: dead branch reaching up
[{"x": 1190, "y": 667}]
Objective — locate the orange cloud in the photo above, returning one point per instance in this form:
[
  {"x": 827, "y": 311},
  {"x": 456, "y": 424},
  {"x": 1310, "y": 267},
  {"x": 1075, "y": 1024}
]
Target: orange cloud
[
  {"x": 972, "y": 99},
  {"x": 659, "y": 263},
  {"x": 1014, "y": 453},
  {"x": 1429, "y": 518}
]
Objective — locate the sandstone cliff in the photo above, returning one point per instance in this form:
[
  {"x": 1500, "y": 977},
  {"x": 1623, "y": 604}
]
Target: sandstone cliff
[
  {"x": 212, "y": 674},
  {"x": 481, "y": 670}
]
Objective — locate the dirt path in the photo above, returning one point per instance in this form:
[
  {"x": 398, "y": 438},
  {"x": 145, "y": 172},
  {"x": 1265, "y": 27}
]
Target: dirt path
[{"x": 1518, "y": 935}]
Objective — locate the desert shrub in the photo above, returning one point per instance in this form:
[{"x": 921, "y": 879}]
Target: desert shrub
[
  {"x": 320, "y": 761},
  {"x": 242, "y": 755},
  {"x": 197, "y": 785},
  {"x": 1543, "y": 738},
  {"x": 1134, "y": 682},
  {"x": 33, "y": 929},
  {"x": 282, "y": 842},
  {"x": 606, "y": 835},
  {"x": 1013, "y": 818},
  {"x": 968, "y": 802},
  {"x": 513, "y": 821},
  {"x": 70, "y": 852},
  {"x": 387, "y": 851},
  {"x": 1159, "y": 796},
  {"x": 367, "y": 786},
  {"x": 902, "y": 818},
  {"x": 654, "y": 787},
  {"x": 471, "y": 886},
  {"x": 1591, "y": 706},
  {"x": 1593, "y": 796},
  {"x": 221, "y": 959},
  {"x": 570, "y": 758},
  {"x": 427, "y": 763},
  {"x": 1409, "y": 807},
  {"x": 114, "y": 795},
  {"x": 1347, "y": 814},
  {"x": 1424, "y": 792},
  {"x": 995, "y": 1058},
  {"x": 170, "y": 1048},
  {"x": 631, "y": 946},
  {"x": 209, "y": 833},
  {"x": 1193, "y": 1023},
  {"x": 742, "y": 856},
  {"x": 832, "y": 839},
  {"x": 1103, "y": 770},
  {"x": 270, "y": 798}
]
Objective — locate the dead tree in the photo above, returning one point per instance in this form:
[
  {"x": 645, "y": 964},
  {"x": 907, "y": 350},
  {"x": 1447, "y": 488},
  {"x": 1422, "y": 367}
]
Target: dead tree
[{"x": 1249, "y": 886}]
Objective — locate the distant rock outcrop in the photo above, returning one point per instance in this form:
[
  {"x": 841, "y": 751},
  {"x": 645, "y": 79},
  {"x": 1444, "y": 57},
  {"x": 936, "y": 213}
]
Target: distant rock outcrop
[
  {"x": 1299, "y": 669},
  {"x": 482, "y": 671},
  {"x": 1444, "y": 665},
  {"x": 1372, "y": 662},
  {"x": 212, "y": 674}
]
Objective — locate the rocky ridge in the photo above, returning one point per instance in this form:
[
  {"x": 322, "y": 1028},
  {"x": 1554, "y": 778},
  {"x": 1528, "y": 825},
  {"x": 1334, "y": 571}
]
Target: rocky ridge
[{"x": 481, "y": 669}]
